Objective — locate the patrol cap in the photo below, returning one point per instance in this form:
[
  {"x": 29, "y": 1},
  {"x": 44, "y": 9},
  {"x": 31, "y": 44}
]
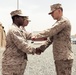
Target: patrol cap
[
  {"x": 54, "y": 7},
  {"x": 17, "y": 12}
]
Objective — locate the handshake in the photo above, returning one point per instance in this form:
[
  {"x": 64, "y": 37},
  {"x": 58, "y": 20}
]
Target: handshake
[{"x": 38, "y": 51}]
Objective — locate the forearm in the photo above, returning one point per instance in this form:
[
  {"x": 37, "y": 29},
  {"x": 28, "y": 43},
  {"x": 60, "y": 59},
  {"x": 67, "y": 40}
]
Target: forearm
[{"x": 47, "y": 43}]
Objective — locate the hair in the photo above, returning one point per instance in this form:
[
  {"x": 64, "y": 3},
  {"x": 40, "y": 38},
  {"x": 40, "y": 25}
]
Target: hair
[{"x": 61, "y": 9}]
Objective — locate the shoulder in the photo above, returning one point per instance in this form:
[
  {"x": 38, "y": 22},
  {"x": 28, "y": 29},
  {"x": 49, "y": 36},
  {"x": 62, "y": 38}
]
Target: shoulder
[
  {"x": 13, "y": 30},
  {"x": 66, "y": 20},
  {"x": 63, "y": 21}
]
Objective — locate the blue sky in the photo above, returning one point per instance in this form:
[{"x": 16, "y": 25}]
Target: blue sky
[{"x": 37, "y": 10}]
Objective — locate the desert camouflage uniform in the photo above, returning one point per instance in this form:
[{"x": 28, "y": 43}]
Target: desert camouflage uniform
[
  {"x": 60, "y": 35},
  {"x": 25, "y": 33},
  {"x": 14, "y": 57}
]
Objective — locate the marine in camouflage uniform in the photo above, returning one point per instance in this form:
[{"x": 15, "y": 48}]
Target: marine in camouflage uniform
[
  {"x": 59, "y": 36},
  {"x": 14, "y": 59}
]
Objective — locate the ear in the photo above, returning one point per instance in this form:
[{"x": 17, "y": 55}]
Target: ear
[{"x": 59, "y": 10}]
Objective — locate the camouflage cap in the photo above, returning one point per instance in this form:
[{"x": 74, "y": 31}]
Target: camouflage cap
[
  {"x": 17, "y": 12},
  {"x": 54, "y": 7}
]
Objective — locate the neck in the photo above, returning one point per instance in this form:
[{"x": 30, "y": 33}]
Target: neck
[
  {"x": 59, "y": 17},
  {"x": 17, "y": 24}
]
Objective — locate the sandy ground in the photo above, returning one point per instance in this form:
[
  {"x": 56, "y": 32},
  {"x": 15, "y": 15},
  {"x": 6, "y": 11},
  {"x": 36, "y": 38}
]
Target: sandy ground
[{"x": 43, "y": 64}]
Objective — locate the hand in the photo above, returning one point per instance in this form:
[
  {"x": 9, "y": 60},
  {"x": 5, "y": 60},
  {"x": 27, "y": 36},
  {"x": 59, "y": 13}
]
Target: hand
[
  {"x": 38, "y": 51},
  {"x": 33, "y": 38},
  {"x": 38, "y": 39}
]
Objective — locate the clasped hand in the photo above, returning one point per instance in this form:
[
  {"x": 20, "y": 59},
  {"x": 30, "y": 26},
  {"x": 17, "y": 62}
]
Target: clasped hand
[{"x": 38, "y": 51}]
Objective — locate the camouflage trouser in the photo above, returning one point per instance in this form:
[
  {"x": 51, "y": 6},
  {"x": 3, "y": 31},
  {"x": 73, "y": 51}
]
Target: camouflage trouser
[
  {"x": 12, "y": 69},
  {"x": 63, "y": 67}
]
